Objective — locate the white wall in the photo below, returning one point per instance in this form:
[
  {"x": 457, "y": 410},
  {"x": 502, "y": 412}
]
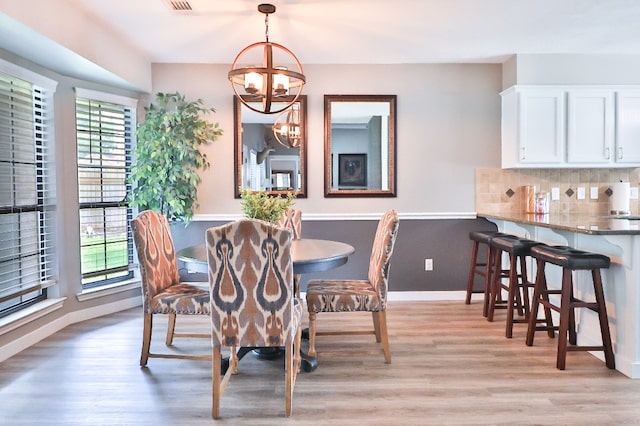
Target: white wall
[
  {"x": 448, "y": 124},
  {"x": 575, "y": 69},
  {"x": 66, "y": 40}
]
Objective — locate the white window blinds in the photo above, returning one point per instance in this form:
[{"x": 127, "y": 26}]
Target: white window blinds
[
  {"x": 27, "y": 192},
  {"x": 104, "y": 137}
]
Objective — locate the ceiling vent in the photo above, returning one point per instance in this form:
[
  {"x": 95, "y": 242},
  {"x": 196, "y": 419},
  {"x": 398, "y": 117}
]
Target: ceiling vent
[{"x": 181, "y": 6}]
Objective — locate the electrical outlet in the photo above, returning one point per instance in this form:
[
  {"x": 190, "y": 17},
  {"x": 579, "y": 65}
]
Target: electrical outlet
[
  {"x": 582, "y": 193},
  {"x": 593, "y": 194},
  {"x": 428, "y": 264},
  {"x": 555, "y": 194},
  {"x": 633, "y": 193}
]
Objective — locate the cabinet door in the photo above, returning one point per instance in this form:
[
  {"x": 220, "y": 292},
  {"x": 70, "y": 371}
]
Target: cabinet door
[
  {"x": 628, "y": 127},
  {"x": 541, "y": 126},
  {"x": 590, "y": 126}
]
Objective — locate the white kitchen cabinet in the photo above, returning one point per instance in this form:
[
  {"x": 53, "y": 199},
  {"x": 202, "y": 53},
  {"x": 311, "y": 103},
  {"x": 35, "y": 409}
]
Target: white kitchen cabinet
[
  {"x": 590, "y": 129},
  {"x": 627, "y": 149},
  {"x": 570, "y": 126},
  {"x": 533, "y": 127}
]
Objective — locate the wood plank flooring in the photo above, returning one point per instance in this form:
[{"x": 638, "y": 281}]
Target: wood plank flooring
[{"x": 449, "y": 366}]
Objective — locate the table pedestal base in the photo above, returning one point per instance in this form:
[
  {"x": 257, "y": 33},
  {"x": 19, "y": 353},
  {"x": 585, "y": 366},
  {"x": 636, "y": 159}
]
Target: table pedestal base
[{"x": 307, "y": 363}]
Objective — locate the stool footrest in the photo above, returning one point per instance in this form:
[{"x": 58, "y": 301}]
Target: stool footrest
[
  {"x": 580, "y": 304},
  {"x": 546, "y": 328},
  {"x": 575, "y": 348}
]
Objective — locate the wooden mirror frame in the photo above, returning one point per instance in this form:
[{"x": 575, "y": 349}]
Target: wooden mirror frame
[
  {"x": 237, "y": 143},
  {"x": 329, "y": 189}
]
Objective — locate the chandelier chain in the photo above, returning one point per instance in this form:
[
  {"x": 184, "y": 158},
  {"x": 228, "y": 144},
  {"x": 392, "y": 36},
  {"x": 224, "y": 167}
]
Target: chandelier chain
[{"x": 266, "y": 26}]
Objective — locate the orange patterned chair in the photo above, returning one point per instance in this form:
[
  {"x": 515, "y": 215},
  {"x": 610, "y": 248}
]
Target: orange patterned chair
[
  {"x": 350, "y": 295},
  {"x": 162, "y": 291},
  {"x": 292, "y": 219},
  {"x": 252, "y": 298}
]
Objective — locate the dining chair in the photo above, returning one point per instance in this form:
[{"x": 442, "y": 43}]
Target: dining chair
[
  {"x": 292, "y": 219},
  {"x": 162, "y": 291},
  {"x": 252, "y": 298},
  {"x": 358, "y": 295}
]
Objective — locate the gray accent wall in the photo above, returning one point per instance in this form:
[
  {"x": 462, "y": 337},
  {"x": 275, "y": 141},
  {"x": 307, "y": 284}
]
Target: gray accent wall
[{"x": 445, "y": 241}]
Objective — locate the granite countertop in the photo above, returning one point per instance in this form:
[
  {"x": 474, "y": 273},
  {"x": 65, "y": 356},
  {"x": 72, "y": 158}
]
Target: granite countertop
[{"x": 584, "y": 224}]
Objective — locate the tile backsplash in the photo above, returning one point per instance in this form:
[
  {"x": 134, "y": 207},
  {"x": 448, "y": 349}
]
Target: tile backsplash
[{"x": 502, "y": 190}]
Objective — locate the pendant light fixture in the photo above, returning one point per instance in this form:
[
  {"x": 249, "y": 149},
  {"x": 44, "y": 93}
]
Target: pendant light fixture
[
  {"x": 271, "y": 82},
  {"x": 287, "y": 129}
]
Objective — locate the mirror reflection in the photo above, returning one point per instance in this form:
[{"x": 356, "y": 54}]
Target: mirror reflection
[
  {"x": 268, "y": 160},
  {"x": 360, "y": 145}
]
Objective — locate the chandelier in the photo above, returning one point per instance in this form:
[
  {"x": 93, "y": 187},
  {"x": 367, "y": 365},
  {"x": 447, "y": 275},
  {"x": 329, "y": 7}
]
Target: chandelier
[
  {"x": 286, "y": 129},
  {"x": 271, "y": 84}
]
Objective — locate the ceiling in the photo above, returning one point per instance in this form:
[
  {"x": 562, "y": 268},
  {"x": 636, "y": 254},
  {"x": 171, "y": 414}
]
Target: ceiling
[{"x": 374, "y": 31}]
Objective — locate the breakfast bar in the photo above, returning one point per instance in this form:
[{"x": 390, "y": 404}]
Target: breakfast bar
[{"x": 616, "y": 237}]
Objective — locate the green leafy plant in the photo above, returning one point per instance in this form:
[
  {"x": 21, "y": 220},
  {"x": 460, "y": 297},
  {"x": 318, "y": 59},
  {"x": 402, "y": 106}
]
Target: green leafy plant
[
  {"x": 261, "y": 205},
  {"x": 168, "y": 157}
]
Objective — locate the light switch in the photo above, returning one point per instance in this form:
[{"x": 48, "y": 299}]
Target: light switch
[
  {"x": 633, "y": 193},
  {"x": 593, "y": 194},
  {"x": 555, "y": 194},
  {"x": 582, "y": 194}
]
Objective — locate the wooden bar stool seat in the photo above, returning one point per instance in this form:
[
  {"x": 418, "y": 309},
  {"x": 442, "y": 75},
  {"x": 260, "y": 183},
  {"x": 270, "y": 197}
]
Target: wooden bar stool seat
[
  {"x": 570, "y": 260},
  {"x": 517, "y": 285},
  {"x": 479, "y": 267}
]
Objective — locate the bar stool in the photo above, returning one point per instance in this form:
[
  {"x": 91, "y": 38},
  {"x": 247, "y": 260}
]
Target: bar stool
[
  {"x": 479, "y": 267},
  {"x": 570, "y": 260},
  {"x": 517, "y": 285}
]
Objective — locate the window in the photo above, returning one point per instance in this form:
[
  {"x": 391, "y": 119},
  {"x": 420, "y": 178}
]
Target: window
[
  {"x": 104, "y": 138},
  {"x": 27, "y": 188}
]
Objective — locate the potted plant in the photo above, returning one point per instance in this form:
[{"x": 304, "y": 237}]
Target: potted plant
[
  {"x": 168, "y": 157},
  {"x": 261, "y": 205}
]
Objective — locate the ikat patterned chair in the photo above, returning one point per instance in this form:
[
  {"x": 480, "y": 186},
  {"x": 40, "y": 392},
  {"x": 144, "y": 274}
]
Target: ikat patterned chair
[
  {"x": 292, "y": 220},
  {"x": 350, "y": 295},
  {"x": 162, "y": 291},
  {"x": 252, "y": 298}
]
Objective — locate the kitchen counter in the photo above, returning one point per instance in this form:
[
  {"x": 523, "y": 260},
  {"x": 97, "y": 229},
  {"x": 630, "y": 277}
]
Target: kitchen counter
[
  {"x": 583, "y": 224},
  {"x": 617, "y": 238}
]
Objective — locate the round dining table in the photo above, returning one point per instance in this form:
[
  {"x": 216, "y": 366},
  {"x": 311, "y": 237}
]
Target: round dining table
[{"x": 308, "y": 255}]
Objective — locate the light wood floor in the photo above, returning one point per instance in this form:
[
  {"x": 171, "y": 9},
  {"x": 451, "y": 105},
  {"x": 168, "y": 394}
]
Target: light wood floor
[{"x": 450, "y": 366}]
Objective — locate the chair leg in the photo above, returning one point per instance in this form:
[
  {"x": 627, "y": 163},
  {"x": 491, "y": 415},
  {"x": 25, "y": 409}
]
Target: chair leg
[
  {"x": 539, "y": 287},
  {"x": 215, "y": 385},
  {"x": 526, "y": 301},
  {"x": 146, "y": 339},
  {"x": 382, "y": 320},
  {"x": 573, "y": 332},
  {"x": 376, "y": 326},
  {"x": 289, "y": 378},
  {"x": 565, "y": 301},
  {"x": 312, "y": 334},
  {"x": 171, "y": 326},
  {"x": 496, "y": 276},
  {"x": 472, "y": 272},
  {"x": 488, "y": 280},
  {"x": 513, "y": 298},
  {"x": 604, "y": 320}
]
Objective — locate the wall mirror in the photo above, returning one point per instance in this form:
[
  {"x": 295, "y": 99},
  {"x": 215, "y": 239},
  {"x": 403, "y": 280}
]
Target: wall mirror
[
  {"x": 261, "y": 161},
  {"x": 359, "y": 145}
]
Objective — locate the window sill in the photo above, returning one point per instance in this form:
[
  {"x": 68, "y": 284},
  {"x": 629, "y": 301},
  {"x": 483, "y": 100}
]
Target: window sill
[
  {"x": 120, "y": 287},
  {"x": 31, "y": 313}
]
